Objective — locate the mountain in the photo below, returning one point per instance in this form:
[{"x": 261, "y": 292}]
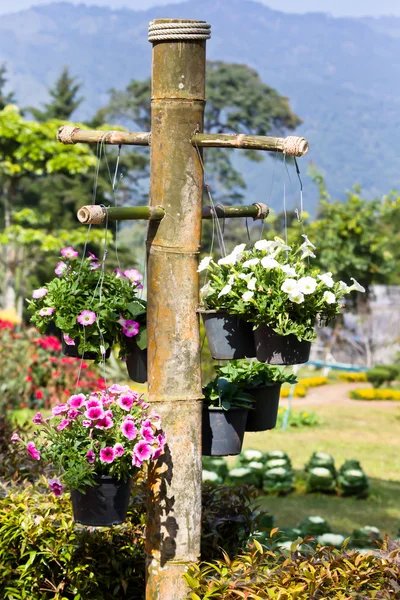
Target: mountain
[{"x": 342, "y": 76}]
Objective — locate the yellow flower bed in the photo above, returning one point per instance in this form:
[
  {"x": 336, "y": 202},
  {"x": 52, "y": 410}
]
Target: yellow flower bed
[
  {"x": 372, "y": 394},
  {"x": 300, "y": 389},
  {"x": 353, "y": 377}
]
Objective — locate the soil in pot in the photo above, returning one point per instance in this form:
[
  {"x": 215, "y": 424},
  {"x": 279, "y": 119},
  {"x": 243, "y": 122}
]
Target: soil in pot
[
  {"x": 223, "y": 431},
  {"x": 104, "y": 504},
  {"x": 73, "y": 351},
  {"x": 277, "y": 349},
  {"x": 228, "y": 336},
  {"x": 265, "y": 412},
  {"x": 136, "y": 363}
]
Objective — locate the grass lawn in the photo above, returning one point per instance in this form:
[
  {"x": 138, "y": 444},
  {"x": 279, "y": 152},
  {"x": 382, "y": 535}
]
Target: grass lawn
[{"x": 366, "y": 431}]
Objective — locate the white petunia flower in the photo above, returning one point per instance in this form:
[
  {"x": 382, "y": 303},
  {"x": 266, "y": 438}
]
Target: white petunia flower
[
  {"x": 329, "y": 298},
  {"x": 252, "y": 284},
  {"x": 225, "y": 290},
  {"x": 269, "y": 263},
  {"x": 343, "y": 287},
  {"x": 356, "y": 286},
  {"x": 280, "y": 244},
  {"x": 290, "y": 271},
  {"x": 204, "y": 263},
  {"x": 289, "y": 286},
  {"x": 247, "y": 296},
  {"x": 230, "y": 259},
  {"x": 206, "y": 290},
  {"x": 297, "y": 297},
  {"x": 307, "y": 242},
  {"x": 245, "y": 276},
  {"x": 307, "y": 285},
  {"x": 266, "y": 245},
  {"x": 306, "y": 252},
  {"x": 326, "y": 279},
  {"x": 238, "y": 249},
  {"x": 251, "y": 262},
  {"x": 231, "y": 279}
]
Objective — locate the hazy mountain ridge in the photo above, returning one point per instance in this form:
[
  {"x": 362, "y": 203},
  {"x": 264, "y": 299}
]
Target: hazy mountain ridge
[{"x": 341, "y": 75}]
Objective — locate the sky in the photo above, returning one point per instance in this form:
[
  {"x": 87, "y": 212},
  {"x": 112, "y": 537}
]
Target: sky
[{"x": 337, "y": 8}]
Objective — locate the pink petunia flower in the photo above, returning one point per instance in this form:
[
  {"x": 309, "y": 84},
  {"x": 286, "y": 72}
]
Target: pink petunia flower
[
  {"x": 90, "y": 455},
  {"x": 147, "y": 434},
  {"x": 56, "y": 486},
  {"x": 94, "y": 403},
  {"x": 119, "y": 273},
  {"x": 15, "y": 438},
  {"x": 92, "y": 256},
  {"x": 128, "y": 429},
  {"x": 162, "y": 439},
  {"x": 118, "y": 389},
  {"x": 73, "y": 413},
  {"x": 76, "y": 400},
  {"x": 59, "y": 409},
  {"x": 157, "y": 453},
  {"x": 136, "y": 461},
  {"x": 119, "y": 449},
  {"x": 46, "y": 312},
  {"x": 104, "y": 423},
  {"x": 87, "y": 317},
  {"x": 63, "y": 424},
  {"x": 38, "y": 418},
  {"x": 130, "y": 328},
  {"x": 143, "y": 450},
  {"x": 33, "y": 451},
  {"x": 125, "y": 401},
  {"x": 69, "y": 341},
  {"x": 69, "y": 252},
  {"x": 39, "y": 293},
  {"x": 95, "y": 265},
  {"x": 86, "y": 423},
  {"x": 94, "y": 413},
  {"x": 60, "y": 269},
  {"x": 133, "y": 275},
  {"x": 107, "y": 454},
  {"x": 107, "y": 399}
]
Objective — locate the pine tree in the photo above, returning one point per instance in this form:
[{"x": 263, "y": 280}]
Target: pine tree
[
  {"x": 64, "y": 99},
  {"x": 5, "y": 98}
]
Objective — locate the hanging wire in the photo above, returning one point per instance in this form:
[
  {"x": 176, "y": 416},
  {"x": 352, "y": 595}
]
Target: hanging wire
[
  {"x": 270, "y": 192},
  {"x": 284, "y": 201}
]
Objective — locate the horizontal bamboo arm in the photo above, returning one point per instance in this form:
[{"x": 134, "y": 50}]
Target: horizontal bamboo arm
[
  {"x": 292, "y": 145},
  {"x": 73, "y": 135},
  {"x": 95, "y": 214}
]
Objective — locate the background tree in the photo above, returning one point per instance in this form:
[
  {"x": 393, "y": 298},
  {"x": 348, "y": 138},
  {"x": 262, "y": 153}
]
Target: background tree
[
  {"x": 64, "y": 99},
  {"x": 8, "y": 98}
]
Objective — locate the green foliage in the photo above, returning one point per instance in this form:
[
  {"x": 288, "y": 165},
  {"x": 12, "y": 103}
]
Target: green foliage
[
  {"x": 222, "y": 393},
  {"x": 321, "y": 459},
  {"x": 244, "y": 476},
  {"x": 298, "y": 419},
  {"x": 250, "y": 455},
  {"x": 64, "y": 99},
  {"x": 382, "y": 374},
  {"x": 352, "y": 480},
  {"x": 272, "y": 284},
  {"x": 83, "y": 285},
  {"x": 44, "y": 555},
  {"x": 216, "y": 464},
  {"x": 5, "y": 99},
  {"x": 253, "y": 374},
  {"x": 314, "y": 525},
  {"x": 278, "y": 479},
  {"x": 366, "y": 537},
  {"x": 262, "y": 573},
  {"x": 320, "y": 479}
]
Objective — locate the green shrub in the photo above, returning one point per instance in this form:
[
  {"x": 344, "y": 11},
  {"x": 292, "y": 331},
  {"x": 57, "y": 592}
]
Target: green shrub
[
  {"x": 211, "y": 477},
  {"x": 243, "y": 476},
  {"x": 321, "y": 459},
  {"x": 216, "y": 464},
  {"x": 382, "y": 374},
  {"x": 335, "y": 540},
  {"x": 314, "y": 525},
  {"x": 321, "y": 574},
  {"x": 320, "y": 479},
  {"x": 352, "y": 480},
  {"x": 277, "y": 454},
  {"x": 250, "y": 455},
  {"x": 278, "y": 480},
  {"x": 366, "y": 537},
  {"x": 298, "y": 420}
]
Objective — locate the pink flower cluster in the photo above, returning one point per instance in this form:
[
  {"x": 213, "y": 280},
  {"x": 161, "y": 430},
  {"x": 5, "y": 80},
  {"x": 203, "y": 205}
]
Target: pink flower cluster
[
  {"x": 114, "y": 424},
  {"x": 133, "y": 275}
]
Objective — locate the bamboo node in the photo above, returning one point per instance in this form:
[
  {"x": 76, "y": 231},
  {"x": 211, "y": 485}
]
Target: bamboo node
[
  {"x": 295, "y": 146},
  {"x": 263, "y": 211},
  {"x": 65, "y": 134},
  {"x": 91, "y": 215}
]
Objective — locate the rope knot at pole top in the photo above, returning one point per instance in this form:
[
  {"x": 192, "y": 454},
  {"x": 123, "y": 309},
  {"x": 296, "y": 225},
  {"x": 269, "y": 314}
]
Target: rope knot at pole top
[{"x": 178, "y": 30}]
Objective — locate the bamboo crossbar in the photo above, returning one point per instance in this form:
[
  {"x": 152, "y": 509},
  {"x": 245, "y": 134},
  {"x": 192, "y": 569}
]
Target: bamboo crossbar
[
  {"x": 95, "y": 214},
  {"x": 292, "y": 145},
  {"x": 73, "y": 135}
]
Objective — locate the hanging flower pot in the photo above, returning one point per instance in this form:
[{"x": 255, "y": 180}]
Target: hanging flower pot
[
  {"x": 265, "y": 412},
  {"x": 136, "y": 362},
  {"x": 223, "y": 430},
  {"x": 228, "y": 335},
  {"x": 71, "y": 349},
  {"x": 277, "y": 349},
  {"x": 103, "y": 504}
]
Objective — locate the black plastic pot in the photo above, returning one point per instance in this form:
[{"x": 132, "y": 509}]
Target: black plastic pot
[
  {"x": 277, "y": 349},
  {"x": 136, "y": 362},
  {"x": 73, "y": 351},
  {"x": 223, "y": 431},
  {"x": 265, "y": 412},
  {"x": 228, "y": 336},
  {"x": 104, "y": 504}
]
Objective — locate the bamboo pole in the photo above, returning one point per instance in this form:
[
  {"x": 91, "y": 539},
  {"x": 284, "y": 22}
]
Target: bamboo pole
[
  {"x": 174, "y": 488},
  {"x": 292, "y": 145},
  {"x": 68, "y": 134},
  {"x": 95, "y": 214}
]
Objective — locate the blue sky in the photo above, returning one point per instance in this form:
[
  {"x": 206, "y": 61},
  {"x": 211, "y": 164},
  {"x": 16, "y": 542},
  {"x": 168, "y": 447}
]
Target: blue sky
[{"x": 335, "y": 7}]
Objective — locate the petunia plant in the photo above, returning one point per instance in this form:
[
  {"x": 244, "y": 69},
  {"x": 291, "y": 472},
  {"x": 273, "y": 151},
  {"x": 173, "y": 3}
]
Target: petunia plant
[
  {"x": 111, "y": 432},
  {"x": 254, "y": 374},
  {"x": 91, "y": 306},
  {"x": 276, "y": 285},
  {"x": 221, "y": 393}
]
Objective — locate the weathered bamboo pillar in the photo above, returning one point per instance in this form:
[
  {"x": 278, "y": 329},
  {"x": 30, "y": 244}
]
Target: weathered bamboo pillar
[{"x": 174, "y": 501}]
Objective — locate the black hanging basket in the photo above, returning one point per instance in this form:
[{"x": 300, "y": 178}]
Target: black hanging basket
[
  {"x": 228, "y": 336},
  {"x": 73, "y": 351},
  {"x": 277, "y": 349},
  {"x": 223, "y": 431},
  {"x": 136, "y": 363},
  {"x": 103, "y": 504},
  {"x": 265, "y": 412}
]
